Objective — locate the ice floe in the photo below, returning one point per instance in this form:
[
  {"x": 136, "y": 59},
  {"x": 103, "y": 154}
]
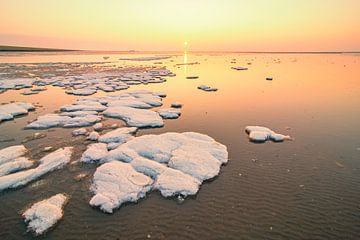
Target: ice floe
[
  {"x": 15, "y": 165},
  {"x": 50, "y": 162},
  {"x": 135, "y": 117},
  {"x": 44, "y": 214},
  {"x": 262, "y": 134},
  {"x": 10, "y": 153},
  {"x": 115, "y": 183},
  {"x": 80, "y": 131},
  {"x": 207, "y": 88},
  {"x": 176, "y": 105},
  {"x": 169, "y": 113},
  {"x": 11, "y": 110},
  {"x": 57, "y": 120},
  {"x": 93, "y": 136},
  {"x": 240, "y": 68}
]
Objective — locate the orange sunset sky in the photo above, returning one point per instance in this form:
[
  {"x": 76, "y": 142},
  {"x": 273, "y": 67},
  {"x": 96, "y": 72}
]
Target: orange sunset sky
[{"x": 207, "y": 25}]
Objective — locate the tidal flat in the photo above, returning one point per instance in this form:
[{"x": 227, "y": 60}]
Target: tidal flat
[{"x": 172, "y": 145}]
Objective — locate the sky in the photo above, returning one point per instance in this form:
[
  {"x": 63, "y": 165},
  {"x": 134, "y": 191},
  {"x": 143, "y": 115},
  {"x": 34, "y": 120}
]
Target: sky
[{"x": 164, "y": 25}]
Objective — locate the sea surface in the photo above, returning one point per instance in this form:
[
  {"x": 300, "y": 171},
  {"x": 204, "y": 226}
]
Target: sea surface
[{"x": 308, "y": 188}]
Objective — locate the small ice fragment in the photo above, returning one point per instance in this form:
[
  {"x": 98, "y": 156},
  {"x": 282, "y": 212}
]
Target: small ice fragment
[
  {"x": 176, "y": 105},
  {"x": 169, "y": 113},
  {"x": 262, "y": 134},
  {"x": 93, "y": 136},
  {"x": 98, "y": 126},
  {"x": 44, "y": 214},
  {"x": 207, "y": 88},
  {"x": 80, "y": 131}
]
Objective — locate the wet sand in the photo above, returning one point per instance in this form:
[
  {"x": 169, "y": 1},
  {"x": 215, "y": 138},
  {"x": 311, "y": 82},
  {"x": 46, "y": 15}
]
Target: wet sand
[{"x": 302, "y": 189}]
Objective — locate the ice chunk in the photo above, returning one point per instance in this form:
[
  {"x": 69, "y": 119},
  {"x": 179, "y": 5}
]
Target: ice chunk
[
  {"x": 207, "y": 88},
  {"x": 115, "y": 183},
  {"x": 240, "y": 68},
  {"x": 10, "y": 153},
  {"x": 80, "y": 131},
  {"x": 98, "y": 127},
  {"x": 95, "y": 152},
  {"x": 85, "y": 106},
  {"x": 50, "y": 162},
  {"x": 56, "y": 120},
  {"x": 176, "y": 105},
  {"x": 11, "y": 110},
  {"x": 262, "y": 134},
  {"x": 44, "y": 214},
  {"x": 93, "y": 136},
  {"x": 135, "y": 117},
  {"x": 15, "y": 165},
  {"x": 119, "y": 135},
  {"x": 169, "y": 113}
]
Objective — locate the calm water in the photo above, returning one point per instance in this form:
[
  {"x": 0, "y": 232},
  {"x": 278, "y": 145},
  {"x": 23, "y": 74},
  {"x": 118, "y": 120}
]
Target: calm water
[{"x": 308, "y": 188}]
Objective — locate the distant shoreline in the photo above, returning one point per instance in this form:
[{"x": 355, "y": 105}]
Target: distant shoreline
[{"x": 31, "y": 49}]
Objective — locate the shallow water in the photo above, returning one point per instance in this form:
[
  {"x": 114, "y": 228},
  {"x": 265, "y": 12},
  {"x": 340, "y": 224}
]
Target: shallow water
[{"x": 302, "y": 189}]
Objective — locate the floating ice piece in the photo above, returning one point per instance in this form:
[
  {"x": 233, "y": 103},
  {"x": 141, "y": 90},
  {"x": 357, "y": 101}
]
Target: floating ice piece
[
  {"x": 15, "y": 165},
  {"x": 29, "y": 92},
  {"x": 192, "y": 77},
  {"x": 119, "y": 135},
  {"x": 207, "y": 88},
  {"x": 240, "y": 68},
  {"x": 11, "y": 110},
  {"x": 169, "y": 113},
  {"x": 44, "y": 214},
  {"x": 56, "y": 120},
  {"x": 262, "y": 134},
  {"x": 176, "y": 105},
  {"x": 94, "y": 153},
  {"x": 10, "y": 153},
  {"x": 50, "y": 162},
  {"x": 80, "y": 131},
  {"x": 115, "y": 183},
  {"x": 135, "y": 117}
]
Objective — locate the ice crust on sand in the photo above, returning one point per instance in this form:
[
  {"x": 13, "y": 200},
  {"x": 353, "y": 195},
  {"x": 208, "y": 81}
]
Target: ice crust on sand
[
  {"x": 262, "y": 134},
  {"x": 135, "y": 117},
  {"x": 10, "y": 153},
  {"x": 44, "y": 214},
  {"x": 169, "y": 113},
  {"x": 11, "y": 110},
  {"x": 50, "y": 162},
  {"x": 115, "y": 183}
]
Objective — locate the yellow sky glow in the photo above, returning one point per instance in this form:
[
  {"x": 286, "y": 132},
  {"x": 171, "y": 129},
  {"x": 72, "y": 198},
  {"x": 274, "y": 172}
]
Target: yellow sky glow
[{"x": 208, "y": 25}]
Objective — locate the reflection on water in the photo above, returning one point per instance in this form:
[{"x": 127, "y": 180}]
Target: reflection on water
[{"x": 304, "y": 189}]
